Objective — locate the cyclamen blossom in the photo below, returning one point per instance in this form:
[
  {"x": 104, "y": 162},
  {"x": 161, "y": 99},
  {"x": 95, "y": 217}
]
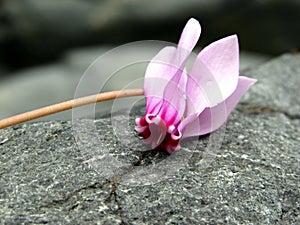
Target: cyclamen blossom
[{"x": 181, "y": 105}]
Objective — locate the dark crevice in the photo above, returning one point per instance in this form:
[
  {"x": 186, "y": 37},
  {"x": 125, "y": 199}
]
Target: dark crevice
[
  {"x": 73, "y": 207},
  {"x": 68, "y": 197},
  {"x": 292, "y": 117},
  {"x": 113, "y": 197},
  {"x": 115, "y": 182},
  {"x": 143, "y": 160},
  {"x": 148, "y": 157}
]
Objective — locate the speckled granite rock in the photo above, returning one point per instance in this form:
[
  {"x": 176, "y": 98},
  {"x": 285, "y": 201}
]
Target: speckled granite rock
[
  {"x": 278, "y": 86},
  {"x": 45, "y": 177}
]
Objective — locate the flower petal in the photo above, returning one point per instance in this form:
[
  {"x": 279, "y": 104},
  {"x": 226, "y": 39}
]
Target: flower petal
[
  {"x": 190, "y": 35},
  {"x": 166, "y": 64},
  {"x": 159, "y": 71},
  {"x": 212, "y": 118},
  {"x": 157, "y": 129},
  {"x": 201, "y": 91},
  {"x": 173, "y": 107},
  {"x": 222, "y": 59}
]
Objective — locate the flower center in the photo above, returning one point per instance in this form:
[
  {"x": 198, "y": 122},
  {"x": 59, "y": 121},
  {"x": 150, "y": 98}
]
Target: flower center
[{"x": 158, "y": 131}]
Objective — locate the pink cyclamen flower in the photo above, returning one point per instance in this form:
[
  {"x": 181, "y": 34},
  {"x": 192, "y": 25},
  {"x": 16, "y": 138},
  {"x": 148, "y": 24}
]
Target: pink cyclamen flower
[{"x": 181, "y": 105}]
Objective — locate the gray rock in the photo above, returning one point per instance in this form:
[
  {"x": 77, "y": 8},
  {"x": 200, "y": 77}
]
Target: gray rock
[
  {"x": 254, "y": 179},
  {"x": 48, "y": 176},
  {"x": 37, "y": 87},
  {"x": 251, "y": 60},
  {"x": 276, "y": 75}
]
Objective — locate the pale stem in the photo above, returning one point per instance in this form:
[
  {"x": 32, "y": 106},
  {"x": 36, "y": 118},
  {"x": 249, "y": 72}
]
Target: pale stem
[{"x": 48, "y": 110}]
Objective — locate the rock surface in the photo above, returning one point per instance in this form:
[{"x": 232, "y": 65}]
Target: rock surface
[
  {"x": 274, "y": 75},
  {"x": 46, "y": 177}
]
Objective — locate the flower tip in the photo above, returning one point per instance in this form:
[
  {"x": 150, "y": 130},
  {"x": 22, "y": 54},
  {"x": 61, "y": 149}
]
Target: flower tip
[
  {"x": 190, "y": 35},
  {"x": 248, "y": 80},
  {"x": 253, "y": 81},
  {"x": 232, "y": 39},
  {"x": 234, "y": 36},
  {"x": 192, "y": 20},
  {"x": 194, "y": 24}
]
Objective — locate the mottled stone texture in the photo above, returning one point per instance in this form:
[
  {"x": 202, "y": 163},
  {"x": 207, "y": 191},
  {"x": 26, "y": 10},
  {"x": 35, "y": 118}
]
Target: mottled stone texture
[{"x": 254, "y": 179}]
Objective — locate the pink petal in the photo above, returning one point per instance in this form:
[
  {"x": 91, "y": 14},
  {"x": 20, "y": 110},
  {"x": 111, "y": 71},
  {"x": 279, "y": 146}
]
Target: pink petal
[
  {"x": 166, "y": 63},
  {"x": 165, "y": 77},
  {"x": 159, "y": 71},
  {"x": 212, "y": 118},
  {"x": 157, "y": 129},
  {"x": 189, "y": 127},
  {"x": 153, "y": 104},
  {"x": 174, "y": 104},
  {"x": 200, "y": 91},
  {"x": 190, "y": 35},
  {"x": 222, "y": 59}
]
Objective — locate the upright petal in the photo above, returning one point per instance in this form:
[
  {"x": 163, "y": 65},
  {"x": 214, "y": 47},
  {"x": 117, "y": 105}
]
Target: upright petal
[
  {"x": 174, "y": 104},
  {"x": 167, "y": 67},
  {"x": 190, "y": 35},
  {"x": 166, "y": 63},
  {"x": 222, "y": 59},
  {"x": 212, "y": 118},
  {"x": 158, "y": 73},
  {"x": 200, "y": 91}
]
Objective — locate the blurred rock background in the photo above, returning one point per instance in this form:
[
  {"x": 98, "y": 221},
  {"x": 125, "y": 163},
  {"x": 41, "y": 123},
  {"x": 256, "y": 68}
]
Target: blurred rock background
[{"x": 46, "y": 45}]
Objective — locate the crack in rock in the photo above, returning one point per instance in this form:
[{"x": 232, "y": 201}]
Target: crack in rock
[
  {"x": 143, "y": 160},
  {"x": 68, "y": 197}
]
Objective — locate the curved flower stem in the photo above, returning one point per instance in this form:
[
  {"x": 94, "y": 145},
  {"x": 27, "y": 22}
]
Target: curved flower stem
[{"x": 45, "y": 111}]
